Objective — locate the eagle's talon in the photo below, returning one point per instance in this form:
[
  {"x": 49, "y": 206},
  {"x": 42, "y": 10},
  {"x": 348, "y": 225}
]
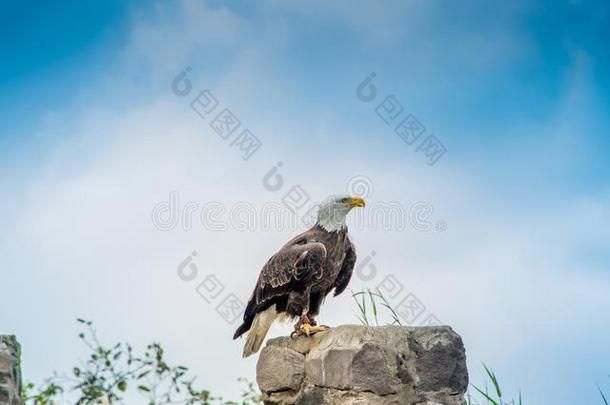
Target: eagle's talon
[
  {"x": 306, "y": 328},
  {"x": 316, "y": 329}
]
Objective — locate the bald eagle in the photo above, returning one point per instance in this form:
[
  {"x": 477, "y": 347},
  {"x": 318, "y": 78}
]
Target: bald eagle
[{"x": 294, "y": 281}]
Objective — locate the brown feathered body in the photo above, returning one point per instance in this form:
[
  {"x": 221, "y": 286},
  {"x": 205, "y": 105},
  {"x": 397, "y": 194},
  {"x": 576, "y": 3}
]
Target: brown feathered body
[{"x": 296, "y": 279}]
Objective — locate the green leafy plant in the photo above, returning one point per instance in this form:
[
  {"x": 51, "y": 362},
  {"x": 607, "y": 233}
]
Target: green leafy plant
[{"x": 112, "y": 372}]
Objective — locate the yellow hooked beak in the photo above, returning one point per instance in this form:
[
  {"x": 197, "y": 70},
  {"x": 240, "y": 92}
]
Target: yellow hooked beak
[{"x": 355, "y": 202}]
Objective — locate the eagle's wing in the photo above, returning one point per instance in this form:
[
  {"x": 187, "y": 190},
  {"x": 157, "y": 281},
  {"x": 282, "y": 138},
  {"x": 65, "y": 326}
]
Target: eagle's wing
[
  {"x": 347, "y": 267},
  {"x": 290, "y": 269},
  {"x": 287, "y": 270},
  {"x": 295, "y": 263}
]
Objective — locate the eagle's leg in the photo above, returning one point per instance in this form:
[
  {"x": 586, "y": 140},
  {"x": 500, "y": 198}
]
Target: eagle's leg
[
  {"x": 303, "y": 319},
  {"x": 314, "y": 324},
  {"x": 315, "y": 301},
  {"x": 302, "y": 326},
  {"x": 312, "y": 321}
]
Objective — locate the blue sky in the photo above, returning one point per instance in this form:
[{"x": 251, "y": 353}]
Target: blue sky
[{"x": 91, "y": 138}]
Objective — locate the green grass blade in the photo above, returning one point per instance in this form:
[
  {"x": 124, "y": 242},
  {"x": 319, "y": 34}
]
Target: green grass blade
[
  {"x": 489, "y": 399},
  {"x": 364, "y": 308},
  {"x": 386, "y": 304},
  {"x": 494, "y": 381},
  {"x": 362, "y": 315},
  {"x": 602, "y": 394},
  {"x": 373, "y": 306}
]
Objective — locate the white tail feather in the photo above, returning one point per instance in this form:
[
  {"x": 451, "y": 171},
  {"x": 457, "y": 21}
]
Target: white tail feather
[{"x": 260, "y": 326}]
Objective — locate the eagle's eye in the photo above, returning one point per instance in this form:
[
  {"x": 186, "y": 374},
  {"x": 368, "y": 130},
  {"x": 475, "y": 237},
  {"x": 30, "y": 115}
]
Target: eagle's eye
[{"x": 344, "y": 200}]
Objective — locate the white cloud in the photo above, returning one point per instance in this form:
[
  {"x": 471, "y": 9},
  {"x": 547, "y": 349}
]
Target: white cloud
[{"x": 83, "y": 242}]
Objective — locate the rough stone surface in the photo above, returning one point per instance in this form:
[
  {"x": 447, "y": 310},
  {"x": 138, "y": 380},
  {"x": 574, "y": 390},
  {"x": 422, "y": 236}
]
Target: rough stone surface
[
  {"x": 362, "y": 365},
  {"x": 288, "y": 361},
  {"x": 10, "y": 371}
]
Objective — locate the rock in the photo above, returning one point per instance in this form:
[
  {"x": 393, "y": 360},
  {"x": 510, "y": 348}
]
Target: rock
[
  {"x": 279, "y": 358},
  {"x": 362, "y": 365},
  {"x": 10, "y": 371}
]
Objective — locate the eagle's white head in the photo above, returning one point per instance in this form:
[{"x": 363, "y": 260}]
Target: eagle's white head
[{"x": 334, "y": 210}]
